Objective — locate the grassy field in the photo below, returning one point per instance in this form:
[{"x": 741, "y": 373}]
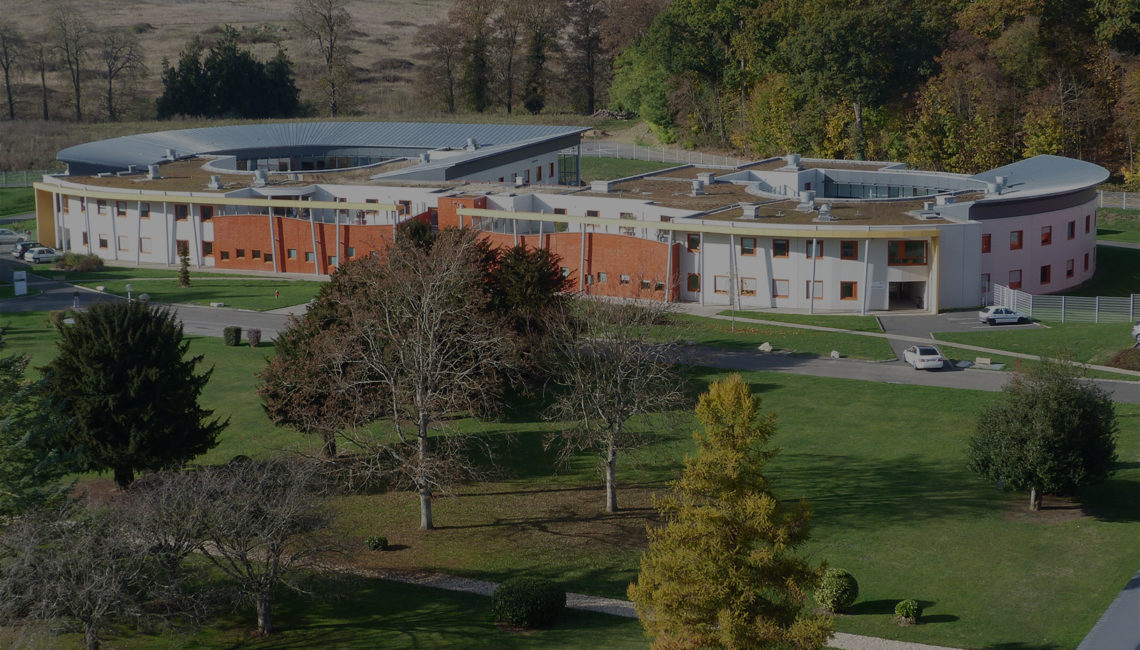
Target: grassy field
[
  {"x": 1116, "y": 224},
  {"x": 16, "y": 200},
  {"x": 1010, "y": 364},
  {"x": 855, "y": 323},
  {"x": 243, "y": 293},
  {"x": 1117, "y": 273},
  {"x": 883, "y": 469},
  {"x": 594, "y": 169},
  {"x": 1083, "y": 342},
  {"x": 745, "y": 335}
]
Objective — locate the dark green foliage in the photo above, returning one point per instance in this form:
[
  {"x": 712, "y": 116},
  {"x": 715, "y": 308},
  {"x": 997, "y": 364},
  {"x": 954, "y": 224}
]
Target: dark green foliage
[
  {"x": 228, "y": 82},
  {"x": 82, "y": 263},
  {"x": 184, "y": 268},
  {"x": 377, "y": 543},
  {"x": 534, "y": 91},
  {"x": 908, "y": 610},
  {"x": 527, "y": 602},
  {"x": 232, "y": 335},
  {"x": 253, "y": 335},
  {"x": 476, "y": 79},
  {"x": 525, "y": 285},
  {"x": 837, "y": 590},
  {"x": 57, "y": 316},
  {"x": 1051, "y": 433},
  {"x": 418, "y": 232},
  {"x": 123, "y": 379}
]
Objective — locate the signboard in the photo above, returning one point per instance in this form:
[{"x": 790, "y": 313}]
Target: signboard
[{"x": 20, "y": 282}]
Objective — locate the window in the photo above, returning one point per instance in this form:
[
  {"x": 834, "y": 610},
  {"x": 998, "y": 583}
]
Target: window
[
  {"x": 182, "y": 247},
  {"x": 1015, "y": 279},
  {"x": 1072, "y": 231},
  {"x": 646, "y": 284},
  {"x": 225, "y": 255},
  {"x": 986, "y": 243},
  {"x": 693, "y": 282},
  {"x": 309, "y": 256},
  {"x": 624, "y": 279},
  {"x": 552, "y": 170},
  {"x": 181, "y": 212},
  {"x": 602, "y": 277},
  {"x": 120, "y": 208},
  {"x": 291, "y": 253},
  {"x": 526, "y": 176},
  {"x": 145, "y": 245},
  {"x": 85, "y": 243},
  {"x": 269, "y": 257},
  {"x": 589, "y": 279},
  {"x": 848, "y": 249},
  {"x": 333, "y": 260},
  {"x": 658, "y": 286},
  {"x": 906, "y": 252},
  {"x": 780, "y": 288},
  {"x": 985, "y": 283},
  {"x": 1069, "y": 268},
  {"x": 693, "y": 242},
  {"x": 207, "y": 249},
  {"x": 591, "y": 213},
  {"x": 747, "y": 245},
  {"x": 626, "y": 215},
  {"x": 255, "y": 254},
  {"x": 122, "y": 242},
  {"x": 1015, "y": 240},
  {"x": 1046, "y": 235},
  {"x": 350, "y": 251},
  {"x": 1088, "y": 221},
  {"x": 1086, "y": 256},
  {"x": 720, "y": 283},
  {"x": 848, "y": 290},
  {"x": 817, "y": 294},
  {"x": 559, "y": 210},
  {"x": 748, "y": 286},
  {"x": 207, "y": 212},
  {"x": 818, "y": 248},
  {"x": 100, "y": 206},
  {"x": 1046, "y": 274},
  {"x": 144, "y": 211},
  {"x": 780, "y": 248},
  {"x": 102, "y": 241},
  {"x": 240, "y": 253}
]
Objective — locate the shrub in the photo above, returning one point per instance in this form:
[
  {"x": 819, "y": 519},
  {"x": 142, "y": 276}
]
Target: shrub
[
  {"x": 527, "y": 602},
  {"x": 82, "y": 263},
  {"x": 56, "y": 317},
  {"x": 377, "y": 543},
  {"x": 838, "y": 590},
  {"x": 253, "y": 335},
  {"x": 908, "y": 611},
  {"x": 232, "y": 335}
]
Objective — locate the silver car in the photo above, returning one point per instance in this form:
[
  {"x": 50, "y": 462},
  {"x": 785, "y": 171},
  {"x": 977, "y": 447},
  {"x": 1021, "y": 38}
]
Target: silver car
[
  {"x": 924, "y": 357},
  {"x": 40, "y": 255},
  {"x": 10, "y": 236}
]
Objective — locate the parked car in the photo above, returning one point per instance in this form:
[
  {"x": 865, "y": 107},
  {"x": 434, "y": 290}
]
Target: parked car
[
  {"x": 19, "y": 249},
  {"x": 1136, "y": 332},
  {"x": 924, "y": 357},
  {"x": 10, "y": 236},
  {"x": 994, "y": 315},
  {"x": 40, "y": 255}
]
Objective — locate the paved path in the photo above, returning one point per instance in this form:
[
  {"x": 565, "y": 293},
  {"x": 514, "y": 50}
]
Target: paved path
[{"x": 616, "y": 607}]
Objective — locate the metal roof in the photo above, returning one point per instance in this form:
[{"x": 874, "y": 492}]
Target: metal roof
[
  {"x": 1042, "y": 176},
  {"x": 149, "y": 148}
]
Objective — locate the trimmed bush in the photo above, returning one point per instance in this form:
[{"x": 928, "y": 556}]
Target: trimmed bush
[
  {"x": 253, "y": 335},
  {"x": 56, "y": 317},
  {"x": 377, "y": 543},
  {"x": 232, "y": 335},
  {"x": 908, "y": 611},
  {"x": 82, "y": 263},
  {"x": 838, "y": 590},
  {"x": 527, "y": 602}
]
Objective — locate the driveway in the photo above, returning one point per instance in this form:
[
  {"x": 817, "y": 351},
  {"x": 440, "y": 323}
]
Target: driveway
[{"x": 925, "y": 325}]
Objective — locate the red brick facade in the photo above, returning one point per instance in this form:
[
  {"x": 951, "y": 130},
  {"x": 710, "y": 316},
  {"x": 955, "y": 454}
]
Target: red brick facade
[{"x": 291, "y": 244}]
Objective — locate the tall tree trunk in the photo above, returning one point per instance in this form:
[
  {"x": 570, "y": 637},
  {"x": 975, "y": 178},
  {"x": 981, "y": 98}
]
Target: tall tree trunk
[
  {"x": 611, "y": 477},
  {"x": 91, "y": 636},
  {"x": 1034, "y": 499},
  {"x": 43, "y": 93},
  {"x": 329, "y": 449},
  {"x": 110, "y": 99},
  {"x": 124, "y": 476},
  {"x": 858, "y": 143},
  {"x": 11, "y": 104},
  {"x": 425, "y": 488},
  {"x": 264, "y": 615},
  {"x": 78, "y": 104}
]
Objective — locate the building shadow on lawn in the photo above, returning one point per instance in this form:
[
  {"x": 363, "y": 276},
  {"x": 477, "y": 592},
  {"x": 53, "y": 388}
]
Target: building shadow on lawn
[
  {"x": 868, "y": 493},
  {"x": 1117, "y": 499}
]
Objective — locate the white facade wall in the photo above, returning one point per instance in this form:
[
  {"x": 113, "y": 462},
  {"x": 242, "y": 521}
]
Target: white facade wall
[
  {"x": 528, "y": 169},
  {"x": 1003, "y": 263}
]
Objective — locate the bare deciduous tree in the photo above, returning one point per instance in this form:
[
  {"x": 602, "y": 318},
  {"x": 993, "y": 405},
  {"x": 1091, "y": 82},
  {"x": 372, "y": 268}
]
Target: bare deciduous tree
[
  {"x": 609, "y": 371},
  {"x": 41, "y": 60},
  {"x": 72, "y": 565},
  {"x": 71, "y": 34},
  {"x": 428, "y": 350},
  {"x": 444, "y": 43},
  {"x": 119, "y": 55},
  {"x": 326, "y": 24},
  {"x": 12, "y": 45}
]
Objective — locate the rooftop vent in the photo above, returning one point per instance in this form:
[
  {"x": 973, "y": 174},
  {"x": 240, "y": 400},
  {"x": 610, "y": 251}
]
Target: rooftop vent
[
  {"x": 471, "y": 144},
  {"x": 215, "y": 182},
  {"x": 131, "y": 169},
  {"x": 260, "y": 178},
  {"x": 927, "y": 206},
  {"x": 825, "y": 213},
  {"x": 750, "y": 210},
  {"x": 793, "y": 162},
  {"x": 152, "y": 172},
  {"x": 807, "y": 201},
  {"x": 425, "y": 157},
  {"x": 708, "y": 178},
  {"x": 992, "y": 188},
  {"x": 519, "y": 181},
  {"x": 171, "y": 154},
  {"x": 698, "y": 187},
  {"x": 104, "y": 174},
  {"x": 1001, "y": 181},
  {"x": 602, "y": 187},
  {"x": 944, "y": 199}
]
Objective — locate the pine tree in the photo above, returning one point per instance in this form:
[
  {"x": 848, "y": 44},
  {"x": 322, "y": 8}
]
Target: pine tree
[
  {"x": 722, "y": 572},
  {"x": 184, "y": 267}
]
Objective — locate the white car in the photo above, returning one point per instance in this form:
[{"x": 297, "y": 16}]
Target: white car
[
  {"x": 994, "y": 315},
  {"x": 10, "y": 236},
  {"x": 1136, "y": 332},
  {"x": 924, "y": 357},
  {"x": 40, "y": 255}
]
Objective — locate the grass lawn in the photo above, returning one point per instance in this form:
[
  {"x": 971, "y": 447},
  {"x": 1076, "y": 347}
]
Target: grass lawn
[
  {"x": 16, "y": 200},
  {"x": 1117, "y": 224},
  {"x": 244, "y": 293},
  {"x": 855, "y": 323},
  {"x": 594, "y": 169},
  {"x": 883, "y": 468},
  {"x": 9, "y": 291},
  {"x": 1013, "y": 363},
  {"x": 721, "y": 333},
  {"x": 1083, "y": 342},
  {"x": 1117, "y": 273}
]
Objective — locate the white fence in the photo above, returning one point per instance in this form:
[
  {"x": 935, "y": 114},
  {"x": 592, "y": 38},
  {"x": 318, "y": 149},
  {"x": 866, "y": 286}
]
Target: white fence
[
  {"x": 1069, "y": 309},
  {"x": 1126, "y": 200},
  {"x": 661, "y": 154},
  {"x": 23, "y": 178}
]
